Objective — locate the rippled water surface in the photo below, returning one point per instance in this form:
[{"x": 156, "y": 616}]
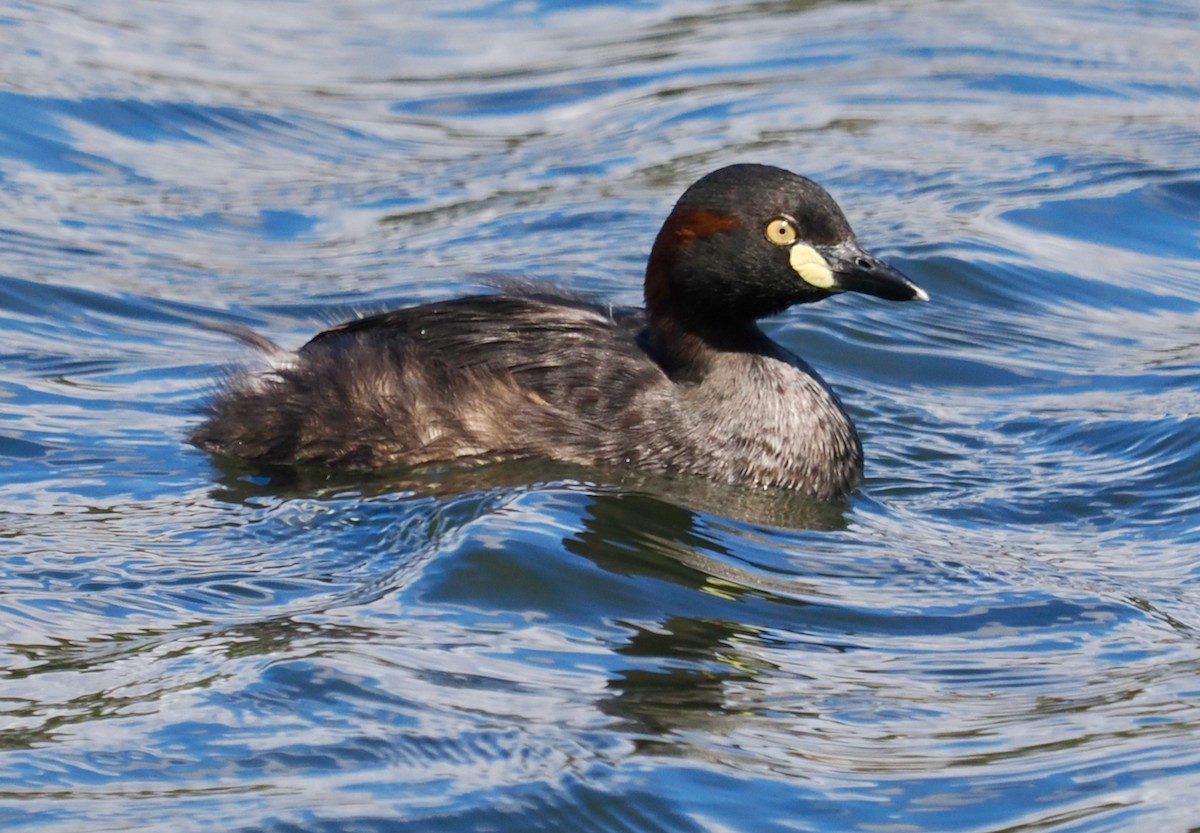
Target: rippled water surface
[{"x": 998, "y": 632}]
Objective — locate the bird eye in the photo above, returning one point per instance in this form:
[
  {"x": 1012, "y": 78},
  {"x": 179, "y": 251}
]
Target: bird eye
[{"x": 782, "y": 231}]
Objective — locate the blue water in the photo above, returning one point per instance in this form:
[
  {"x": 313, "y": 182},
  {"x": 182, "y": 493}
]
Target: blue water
[{"x": 998, "y": 632}]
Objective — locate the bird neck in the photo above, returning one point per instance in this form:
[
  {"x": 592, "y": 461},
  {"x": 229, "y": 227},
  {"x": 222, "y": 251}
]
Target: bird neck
[{"x": 688, "y": 348}]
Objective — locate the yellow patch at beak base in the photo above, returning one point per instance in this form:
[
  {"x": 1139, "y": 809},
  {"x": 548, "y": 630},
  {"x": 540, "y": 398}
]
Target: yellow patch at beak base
[{"x": 811, "y": 267}]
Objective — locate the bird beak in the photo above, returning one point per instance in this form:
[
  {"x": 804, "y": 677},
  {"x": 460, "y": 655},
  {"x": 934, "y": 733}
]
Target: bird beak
[{"x": 847, "y": 267}]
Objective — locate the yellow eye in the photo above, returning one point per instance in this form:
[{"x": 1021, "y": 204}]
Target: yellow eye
[{"x": 782, "y": 231}]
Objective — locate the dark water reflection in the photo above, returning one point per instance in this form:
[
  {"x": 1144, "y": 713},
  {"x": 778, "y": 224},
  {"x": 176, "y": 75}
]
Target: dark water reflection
[{"x": 998, "y": 632}]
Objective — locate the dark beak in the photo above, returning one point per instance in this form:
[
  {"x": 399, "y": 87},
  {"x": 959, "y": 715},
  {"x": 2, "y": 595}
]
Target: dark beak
[{"x": 856, "y": 270}]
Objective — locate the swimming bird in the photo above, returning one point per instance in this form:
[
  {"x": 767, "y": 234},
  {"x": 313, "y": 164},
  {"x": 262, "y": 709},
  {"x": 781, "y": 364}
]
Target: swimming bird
[{"x": 690, "y": 384}]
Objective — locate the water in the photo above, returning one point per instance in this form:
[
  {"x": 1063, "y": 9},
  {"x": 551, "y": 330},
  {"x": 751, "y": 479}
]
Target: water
[{"x": 997, "y": 633}]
